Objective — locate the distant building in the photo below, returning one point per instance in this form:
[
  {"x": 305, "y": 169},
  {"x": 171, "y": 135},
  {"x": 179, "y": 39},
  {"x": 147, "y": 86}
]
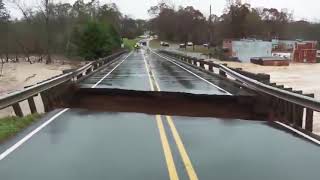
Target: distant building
[
  {"x": 271, "y": 61},
  {"x": 245, "y": 49},
  {"x": 305, "y": 52},
  {"x": 283, "y": 45}
]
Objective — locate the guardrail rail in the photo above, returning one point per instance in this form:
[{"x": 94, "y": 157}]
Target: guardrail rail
[
  {"x": 52, "y": 84},
  {"x": 287, "y": 106}
]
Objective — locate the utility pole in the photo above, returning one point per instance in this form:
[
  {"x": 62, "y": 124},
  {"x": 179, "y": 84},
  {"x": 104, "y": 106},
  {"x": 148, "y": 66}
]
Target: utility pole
[{"x": 209, "y": 30}]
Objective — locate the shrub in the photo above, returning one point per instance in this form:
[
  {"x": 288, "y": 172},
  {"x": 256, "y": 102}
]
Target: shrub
[{"x": 95, "y": 40}]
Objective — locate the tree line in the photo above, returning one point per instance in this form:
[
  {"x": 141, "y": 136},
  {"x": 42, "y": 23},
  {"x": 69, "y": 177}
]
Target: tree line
[
  {"x": 238, "y": 21},
  {"x": 89, "y": 30}
]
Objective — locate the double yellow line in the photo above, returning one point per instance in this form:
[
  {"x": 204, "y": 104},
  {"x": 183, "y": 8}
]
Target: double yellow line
[{"x": 164, "y": 140}]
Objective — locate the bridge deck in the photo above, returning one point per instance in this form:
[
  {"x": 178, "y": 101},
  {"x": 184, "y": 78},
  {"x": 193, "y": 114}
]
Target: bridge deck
[
  {"x": 78, "y": 144},
  {"x": 139, "y": 68}
]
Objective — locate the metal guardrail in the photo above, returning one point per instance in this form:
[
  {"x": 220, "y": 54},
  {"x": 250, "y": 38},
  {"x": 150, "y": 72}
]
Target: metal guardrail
[
  {"x": 14, "y": 98},
  {"x": 256, "y": 85},
  {"x": 301, "y": 100},
  {"x": 288, "y": 106}
]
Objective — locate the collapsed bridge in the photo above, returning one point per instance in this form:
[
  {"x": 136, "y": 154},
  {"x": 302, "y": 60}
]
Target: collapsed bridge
[{"x": 161, "y": 115}]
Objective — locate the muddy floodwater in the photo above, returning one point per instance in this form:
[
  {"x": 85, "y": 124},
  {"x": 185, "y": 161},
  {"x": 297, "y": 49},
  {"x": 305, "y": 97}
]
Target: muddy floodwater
[{"x": 305, "y": 77}]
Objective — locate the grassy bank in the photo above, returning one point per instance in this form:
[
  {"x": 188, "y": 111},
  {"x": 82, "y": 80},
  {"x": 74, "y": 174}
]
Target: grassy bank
[
  {"x": 129, "y": 43},
  {"x": 10, "y": 126}
]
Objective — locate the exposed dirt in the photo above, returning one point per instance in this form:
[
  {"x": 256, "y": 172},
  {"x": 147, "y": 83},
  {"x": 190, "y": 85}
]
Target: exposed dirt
[{"x": 168, "y": 103}]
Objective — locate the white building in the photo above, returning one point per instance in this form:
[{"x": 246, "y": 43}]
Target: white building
[{"x": 246, "y": 49}]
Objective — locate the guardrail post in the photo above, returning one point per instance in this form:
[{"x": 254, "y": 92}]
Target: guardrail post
[
  {"x": 79, "y": 76},
  {"x": 210, "y": 67},
  {"x": 194, "y": 61},
  {"x": 298, "y": 118},
  {"x": 32, "y": 105},
  {"x": 297, "y": 111},
  {"x": 277, "y": 109},
  {"x": 288, "y": 89},
  {"x": 17, "y": 109},
  {"x": 309, "y": 117},
  {"x": 221, "y": 72},
  {"x": 264, "y": 78},
  {"x": 282, "y": 110},
  {"x": 279, "y": 86},
  {"x": 202, "y": 64},
  {"x": 46, "y": 101},
  {"x": 273, "y": 114},
  {"x": 288, "y": 112},
  {"x": 88, "y": 71}
]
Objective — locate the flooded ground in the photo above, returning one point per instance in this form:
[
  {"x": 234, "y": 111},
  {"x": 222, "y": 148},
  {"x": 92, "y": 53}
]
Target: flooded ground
[
  {"x": 298, "y": 76},
  {"x": 16, "y": 76}
]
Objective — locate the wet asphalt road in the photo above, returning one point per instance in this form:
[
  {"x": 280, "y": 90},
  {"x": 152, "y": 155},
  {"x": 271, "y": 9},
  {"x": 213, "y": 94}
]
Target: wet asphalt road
[
  {"x": 132, "y": 74},
  {"x": 82, "y": 145}
]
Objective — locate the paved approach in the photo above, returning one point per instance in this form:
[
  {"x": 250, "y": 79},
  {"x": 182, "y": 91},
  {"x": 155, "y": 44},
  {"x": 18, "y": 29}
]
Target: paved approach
[{"x": 74, "y": 144}]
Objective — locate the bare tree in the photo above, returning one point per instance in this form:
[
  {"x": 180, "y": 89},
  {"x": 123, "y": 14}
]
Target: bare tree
[
  {"x": 2, "y": 64},
  {"x": 47, "y": 13}
]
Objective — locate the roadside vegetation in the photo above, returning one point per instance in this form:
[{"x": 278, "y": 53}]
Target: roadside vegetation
[
  {"x": 212, "y": 52},
  {"x": 9, "y": 126},
  {"x": 51, "y": 29},
  {"x": 155, "y": 43},
  {"x": 129, "y": 43},
  {"x": 96, "y": 40},
  {"x": 188, "y": 24}
]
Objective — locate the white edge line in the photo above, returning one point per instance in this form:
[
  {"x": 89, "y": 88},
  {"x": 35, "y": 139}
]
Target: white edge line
[
  {"x": 95, "y": 85},
  {"x": 146, "y": 65},
  {"x": 299, "y": 132},
  {"x": 27, "y": 137},
  {"x": 193, "y": 74}
]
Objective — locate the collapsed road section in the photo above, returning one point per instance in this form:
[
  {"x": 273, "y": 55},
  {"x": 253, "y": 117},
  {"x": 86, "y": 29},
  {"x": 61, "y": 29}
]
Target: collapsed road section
[{"x": 145, "y": 115}]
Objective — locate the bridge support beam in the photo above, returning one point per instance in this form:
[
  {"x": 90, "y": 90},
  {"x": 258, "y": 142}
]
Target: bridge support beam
[{"x": 169, "y": 103}]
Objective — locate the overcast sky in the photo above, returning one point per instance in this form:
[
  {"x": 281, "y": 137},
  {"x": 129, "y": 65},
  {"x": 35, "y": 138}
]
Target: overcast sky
[{"x": 302, "y": 9}]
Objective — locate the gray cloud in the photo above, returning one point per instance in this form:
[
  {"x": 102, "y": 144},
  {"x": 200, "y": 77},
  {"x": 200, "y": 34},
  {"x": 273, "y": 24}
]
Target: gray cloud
[{"x": 302, "y": 9}]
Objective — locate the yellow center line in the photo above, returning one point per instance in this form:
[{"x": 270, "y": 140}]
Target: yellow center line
[
  {"x": 173, "y": 175},
  {"x": 184, "y": 155},
  {"x": 183, "y": 152},
  {"x": 167, "y": 151}
]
